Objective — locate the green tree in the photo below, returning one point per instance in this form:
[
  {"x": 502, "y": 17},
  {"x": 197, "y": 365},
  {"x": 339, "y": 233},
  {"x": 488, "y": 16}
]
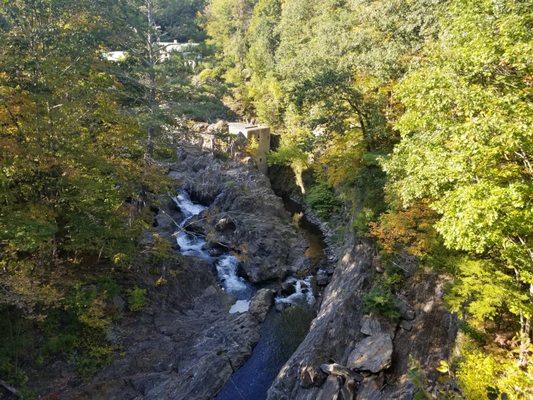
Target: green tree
[
  {"x": 71, "y": 171},
  {"x": 179, "y": 19},
  {"x": 466, "y": 146}
]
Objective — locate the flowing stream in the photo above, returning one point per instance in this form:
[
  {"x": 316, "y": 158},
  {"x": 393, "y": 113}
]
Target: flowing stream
[
  {"x": 192, "y": 244},
  {"x": 283, "y": 330}
]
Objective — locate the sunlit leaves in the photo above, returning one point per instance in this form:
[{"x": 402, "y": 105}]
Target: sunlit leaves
[
  {"x": 70, "y": 157},
  {"x": 466, "y": 150}
]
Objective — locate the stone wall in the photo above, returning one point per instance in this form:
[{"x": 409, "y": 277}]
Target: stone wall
[
  {"x": 261, "y": 136},
  {"x": 235, "y": 138}
]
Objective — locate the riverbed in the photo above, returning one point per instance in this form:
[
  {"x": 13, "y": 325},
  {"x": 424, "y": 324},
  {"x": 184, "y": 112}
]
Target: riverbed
[{"x": 286, "y": 324}]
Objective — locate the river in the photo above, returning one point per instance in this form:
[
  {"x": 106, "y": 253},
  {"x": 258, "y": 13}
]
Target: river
[{"x": 284, "y": 328}]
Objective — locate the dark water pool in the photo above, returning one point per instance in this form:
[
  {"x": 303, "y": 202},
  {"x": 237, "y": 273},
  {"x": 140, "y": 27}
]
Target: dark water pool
[{"x": 281, "y": 334}]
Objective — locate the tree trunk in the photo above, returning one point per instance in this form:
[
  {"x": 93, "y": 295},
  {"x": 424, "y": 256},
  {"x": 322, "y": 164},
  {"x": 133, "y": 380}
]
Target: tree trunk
[
  {"x": 153, "y": 54},
  {"x": 525, "y": 341}
]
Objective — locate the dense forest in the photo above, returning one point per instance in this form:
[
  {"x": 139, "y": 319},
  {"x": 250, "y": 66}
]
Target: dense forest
[
  {"x": 416, "y": 118},
  {"x": 413, "y": 117}
]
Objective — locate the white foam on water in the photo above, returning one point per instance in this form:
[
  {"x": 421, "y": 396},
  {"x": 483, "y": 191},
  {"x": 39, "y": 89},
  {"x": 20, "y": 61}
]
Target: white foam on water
[
  {"x": 187, "y": 207},
  {"x": 240, "y": 306},
  {"x": 227, "y": 272},
  {"x": 189, "y": 242},
  {"x": 303, "y": 292},
  {"x": 190, "y": 245},
  {"x": 194, "y": 245}
]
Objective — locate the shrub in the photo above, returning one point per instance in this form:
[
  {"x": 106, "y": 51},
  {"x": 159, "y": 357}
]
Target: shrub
[
  {"x": 323, "y": 201},
  {"x": 380, "y": 300},
  {"x": 94, "y": 359},
  {"x": 136, "y": 299},
  {"x": 362, "y": 220}
]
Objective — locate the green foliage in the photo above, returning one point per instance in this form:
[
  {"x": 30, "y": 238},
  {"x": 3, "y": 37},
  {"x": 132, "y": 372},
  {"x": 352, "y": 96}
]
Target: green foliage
[
  {"x": 73, "y": 331},
  {"x": 366, "y": 197},
  {"x": 179, "y": 19},
  {"x": 485, "y": 376},
  {"x": 160, "y": 251},
  {"x": 362, "y": 219},
  {"x": 465, "y": 148},
  {"x": 323, "y": 201},
  {"x": 70, "y": 156},
  {"x": 72, "y": 177},
  {"x": 96, "y": 357},
  {"x": 136, "y": 299},
  {"x": 381, "y": 300},
  {"x": 444, "y": 388}
]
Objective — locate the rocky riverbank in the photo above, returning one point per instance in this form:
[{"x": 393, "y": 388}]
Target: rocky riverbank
[
  {"x": 197, "y": 331},
  {"x": 350, "y": 354}
]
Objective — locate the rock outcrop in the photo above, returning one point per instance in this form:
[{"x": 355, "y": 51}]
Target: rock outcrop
[
  {"x": 261, "y": 304},
  {"x": 348, "y": 354},
  {"x": 184, "y": 346},
  {"x": 371, "y": 354},
  {"x": 244, "y": 214}
]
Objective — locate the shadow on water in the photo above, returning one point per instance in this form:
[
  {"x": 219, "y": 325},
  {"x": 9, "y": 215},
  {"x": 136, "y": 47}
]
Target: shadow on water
[
  {"x": 281, "y": 333},
  {"x": 312, "y": 234}
]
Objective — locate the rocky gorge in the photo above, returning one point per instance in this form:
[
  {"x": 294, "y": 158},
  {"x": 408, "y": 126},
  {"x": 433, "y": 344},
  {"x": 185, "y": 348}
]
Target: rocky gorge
[
  {"x": 237, "y": 246},
  {"x": 211, "y": 330}
]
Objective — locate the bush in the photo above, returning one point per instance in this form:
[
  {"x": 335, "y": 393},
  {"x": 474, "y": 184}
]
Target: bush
[
  {"x": 380, "y": 300},
  {"x": 323, "y": 201},
  {"x": 136, "y": 299},
  {"x": 362, "y": 220},
  {"x": 94, "y": 360}
]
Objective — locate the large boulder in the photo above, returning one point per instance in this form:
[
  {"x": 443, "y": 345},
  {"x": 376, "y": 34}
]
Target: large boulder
[
  {"x": 261, "y": 304},
  {"x": 225, "y": 224},
  {"x": 372, "y": 354},
  {"x": 370, "y": 325},
  {"x": 311, "y": 376}
]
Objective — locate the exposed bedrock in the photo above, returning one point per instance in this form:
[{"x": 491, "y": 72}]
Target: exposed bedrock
[
  {"x": 244, "y": 214},
  {"x": 350, "y": 355}
]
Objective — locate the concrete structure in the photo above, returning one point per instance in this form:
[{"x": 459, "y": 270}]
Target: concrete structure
[
  {"x": 258, "y": 137},
  {"x": 165, "y": 48}
]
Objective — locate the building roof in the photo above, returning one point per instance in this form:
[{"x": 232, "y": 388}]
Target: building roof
[{"x": 235, "y": 128}]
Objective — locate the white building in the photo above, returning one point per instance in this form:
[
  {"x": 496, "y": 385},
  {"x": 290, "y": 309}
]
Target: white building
[{"x": 168, "y": 47}]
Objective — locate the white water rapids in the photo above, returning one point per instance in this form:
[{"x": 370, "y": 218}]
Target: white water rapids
[{"x": 195, "y": 245}]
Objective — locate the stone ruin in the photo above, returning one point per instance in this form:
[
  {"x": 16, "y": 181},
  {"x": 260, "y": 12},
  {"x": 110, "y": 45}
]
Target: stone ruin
[{"x": 236, "y": 138}]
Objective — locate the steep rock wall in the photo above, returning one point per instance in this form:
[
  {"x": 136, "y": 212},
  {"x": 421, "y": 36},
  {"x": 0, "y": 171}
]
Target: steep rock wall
[{"x": 352, "y": 355}]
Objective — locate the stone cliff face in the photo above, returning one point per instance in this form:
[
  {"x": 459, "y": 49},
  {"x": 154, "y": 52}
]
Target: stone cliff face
[{"x": 350, "y": 355}]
